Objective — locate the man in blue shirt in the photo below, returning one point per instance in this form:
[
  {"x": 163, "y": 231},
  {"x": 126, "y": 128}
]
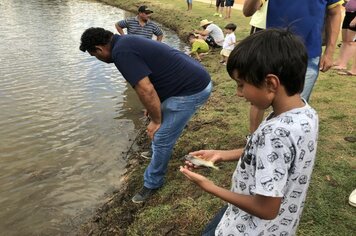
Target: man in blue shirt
[
  {"x": 171, "y": 86},
  {"x": 306, "y": 18},
  {"x": 140, "y": 25}
]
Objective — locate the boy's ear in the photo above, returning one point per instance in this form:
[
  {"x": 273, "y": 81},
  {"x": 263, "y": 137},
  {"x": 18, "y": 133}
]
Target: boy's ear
[
  {"x": 98, "y": 48},
  {"x": 272, "y": 83}
]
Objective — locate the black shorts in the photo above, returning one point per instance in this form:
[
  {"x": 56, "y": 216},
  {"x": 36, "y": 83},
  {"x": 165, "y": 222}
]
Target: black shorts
[
  {"x": 349, "y": 16},
  {"x": 211, "y": 42},
  {"x": 220, "y": 3},
  {"x": 254, "y": 29}
]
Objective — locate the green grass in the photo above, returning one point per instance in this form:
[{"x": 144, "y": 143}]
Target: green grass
[{"x": 180, "y": 208}]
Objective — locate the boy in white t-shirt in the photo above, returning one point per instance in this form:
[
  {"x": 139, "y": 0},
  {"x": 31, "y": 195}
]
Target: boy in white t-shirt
[
  {"x": 229, "y": 42},
  {"x": 273, "y": 172}
]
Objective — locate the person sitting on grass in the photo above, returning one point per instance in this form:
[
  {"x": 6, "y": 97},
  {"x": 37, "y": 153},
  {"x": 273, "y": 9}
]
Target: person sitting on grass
[
  {"x": 273, "y": 172},
  {"x": 211, "y": 33},
  {"x": 229, "y": 42},
  {"x": 199, "y": 46}
]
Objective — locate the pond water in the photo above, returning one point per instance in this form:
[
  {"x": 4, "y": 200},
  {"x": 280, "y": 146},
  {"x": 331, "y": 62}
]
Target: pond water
[{"x": 66, "y": 119}]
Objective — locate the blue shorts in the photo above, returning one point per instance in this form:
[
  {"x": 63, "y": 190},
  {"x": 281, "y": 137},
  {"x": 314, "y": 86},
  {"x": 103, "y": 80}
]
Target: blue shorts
[{"x": 229, "y": 3}]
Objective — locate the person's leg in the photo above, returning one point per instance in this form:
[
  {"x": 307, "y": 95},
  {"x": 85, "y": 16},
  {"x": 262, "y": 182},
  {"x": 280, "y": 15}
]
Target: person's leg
[
  {"x": 227, "y": 12},
  {"x": 217, "y": 4},
  {"x": 256, "y": 116},
  {"x": 190, "y": 5},
  {"x": 222, "y": 59},
  {"x": 347, "y": 49},
  {"x": 176, "y": 112},
  {"x": 222, "y": 5},
  {"x": 310, "y": 77},
  {"x": 225, "y": 59},
  {"x": 353, "y": 67},
  {"x": 341, "y": 53},
  {"x": 211, "y": 226}
]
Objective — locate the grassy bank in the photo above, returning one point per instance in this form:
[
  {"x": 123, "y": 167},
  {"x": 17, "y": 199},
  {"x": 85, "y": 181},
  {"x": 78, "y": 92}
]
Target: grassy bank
[{"x": 180, "y": 208}]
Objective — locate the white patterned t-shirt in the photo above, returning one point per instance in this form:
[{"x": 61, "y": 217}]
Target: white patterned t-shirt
[{"x": 278, "y": 161}]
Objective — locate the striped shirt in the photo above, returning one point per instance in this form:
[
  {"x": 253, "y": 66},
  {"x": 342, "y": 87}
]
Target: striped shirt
[{"x": 133, "y": 27}]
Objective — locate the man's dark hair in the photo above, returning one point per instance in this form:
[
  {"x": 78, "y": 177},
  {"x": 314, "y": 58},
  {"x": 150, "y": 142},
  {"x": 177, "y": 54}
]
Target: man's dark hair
[
  {"x": 231, "y": 26},
  {"x": 93, "y": 37},
  {"x": 271, "y": 51}
]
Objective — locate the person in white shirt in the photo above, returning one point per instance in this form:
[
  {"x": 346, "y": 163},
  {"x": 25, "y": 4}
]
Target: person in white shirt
[
  {"x": 229, "y": 42},
  {"x": 211, "y": 33}
]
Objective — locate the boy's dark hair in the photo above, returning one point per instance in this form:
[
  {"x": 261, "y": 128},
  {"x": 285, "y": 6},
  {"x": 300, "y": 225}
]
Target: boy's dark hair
[
  {"x": 231, "y": 26},
  {"x": 271, "y": 51},
  {"x": 191, "y": 35},
  {"x": 93, "y": 37}
]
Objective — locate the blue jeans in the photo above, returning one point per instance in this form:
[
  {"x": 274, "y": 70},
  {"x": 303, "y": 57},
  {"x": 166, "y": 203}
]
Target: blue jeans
[
  {"x": 176, "y": 112},
  {"x": 211, "y": 227},
  {"x": 310, "y": 77}
]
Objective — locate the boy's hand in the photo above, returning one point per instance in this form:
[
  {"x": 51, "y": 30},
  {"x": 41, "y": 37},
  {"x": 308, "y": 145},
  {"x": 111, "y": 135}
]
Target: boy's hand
[
  {"x": 209, "y": 155},
  {"x": 198, "y": 179}
]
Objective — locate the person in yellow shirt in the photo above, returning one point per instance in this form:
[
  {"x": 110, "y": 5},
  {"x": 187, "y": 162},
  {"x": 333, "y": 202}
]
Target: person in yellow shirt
[{"x": 199, "y": 46}]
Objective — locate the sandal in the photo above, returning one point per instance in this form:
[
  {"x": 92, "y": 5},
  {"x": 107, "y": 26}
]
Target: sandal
[
  {"x": 352, "y": 198},
  {"x": 346, "y": 72},
  {"x": 350, "y": 139}
]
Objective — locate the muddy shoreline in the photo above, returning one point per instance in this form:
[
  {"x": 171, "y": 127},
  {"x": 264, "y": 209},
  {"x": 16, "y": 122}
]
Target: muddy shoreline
[{"x": 100, "y": 222}]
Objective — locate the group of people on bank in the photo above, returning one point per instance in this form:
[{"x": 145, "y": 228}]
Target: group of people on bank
[{"x": 271, "y": 68}]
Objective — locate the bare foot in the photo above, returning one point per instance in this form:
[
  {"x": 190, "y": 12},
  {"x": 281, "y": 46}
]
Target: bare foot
[{"x": 338, "y": 67}]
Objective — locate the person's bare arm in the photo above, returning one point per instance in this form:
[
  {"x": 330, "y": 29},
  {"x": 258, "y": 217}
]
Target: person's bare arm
[
  {"x": 332, "y": 24},
  {"x": 149, "y": 98},
  {"x": 219, "y": 155},
  {"x": 250, "y": 7},
  {"x": 119, "y": 29},
  {"x": 202, "y": 32},
  {"x": 159, "y": 38},
  {"x": 261, "y": 206}
]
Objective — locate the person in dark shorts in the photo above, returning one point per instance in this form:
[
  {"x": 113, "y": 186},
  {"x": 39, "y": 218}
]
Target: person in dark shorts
[
  {"x": 219, "y": 8},
  {"x": 228, "y": 5},
  {"x": 211, "y": 33}
]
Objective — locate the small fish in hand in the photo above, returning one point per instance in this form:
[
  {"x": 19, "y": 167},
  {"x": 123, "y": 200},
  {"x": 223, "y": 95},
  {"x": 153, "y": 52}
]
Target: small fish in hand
[{"x": 200, "y": 162}]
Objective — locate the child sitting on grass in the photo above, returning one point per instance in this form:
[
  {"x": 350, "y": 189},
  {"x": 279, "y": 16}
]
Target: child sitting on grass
[
  {"x": 229, "y": 42},
  {"x": 199, "y": 46},
  {"x": 273, "y": 172}
]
